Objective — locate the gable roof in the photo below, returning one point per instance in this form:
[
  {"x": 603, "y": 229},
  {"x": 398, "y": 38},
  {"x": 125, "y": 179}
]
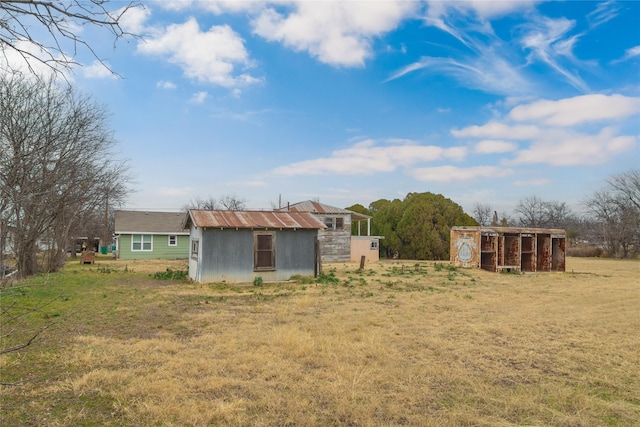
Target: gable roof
[
  {"x": 149, "y": 222},
  {"x": 252, "y": 219},
  {"x": 320, "y": 208}
]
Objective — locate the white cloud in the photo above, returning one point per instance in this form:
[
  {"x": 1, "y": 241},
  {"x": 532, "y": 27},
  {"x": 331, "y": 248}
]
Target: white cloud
[
  {"x": 166, "y": 85},
  {"x": 215, "y": 6},
  {"x": 548, "y": 41},
  {"x": 366, "y": 157},
  {"x": 631, "y": 52},
  {"x": 552, "y": 137},
  {"x": 491, "y": 146},
  {"x": 495, "y": 129},
  {"x": 336, "y": 33},
  {"x": 487, "y": 71},
  {"x": 198, "y": 98},
  {"x": 604, "y": 12},
  {"x": 576, "y": 110},
  {"x": 133, "y": 20},
  {"x": 33, "y": 60},
  {"x": 453, "y": 173},
  {"x": 208, "y": 57},
  {"x": 482, "y": 9},
  {"x": 567, "y": 148},
  {"x": 97, "y": 70}
]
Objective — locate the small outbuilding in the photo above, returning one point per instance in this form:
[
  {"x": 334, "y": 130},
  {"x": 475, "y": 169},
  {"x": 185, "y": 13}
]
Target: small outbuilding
[
  {"x": 508, "y": 248},
  {"x": 336, "y": 242},
  {"x": 239, "y": 246}
]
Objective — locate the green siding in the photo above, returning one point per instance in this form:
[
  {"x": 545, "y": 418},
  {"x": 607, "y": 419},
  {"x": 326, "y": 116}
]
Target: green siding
[{"x": 161, "y": 248}]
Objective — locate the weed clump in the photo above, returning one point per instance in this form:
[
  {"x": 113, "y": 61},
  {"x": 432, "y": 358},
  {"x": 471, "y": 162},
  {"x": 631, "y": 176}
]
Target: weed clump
[
  {"x": 170, "y": 274},
  {"x": 328, "y": 278}
]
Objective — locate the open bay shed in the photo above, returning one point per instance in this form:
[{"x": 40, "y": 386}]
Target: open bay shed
[
  {"x": 508, "y": 248},
  {"x": 238, "y": 246}
]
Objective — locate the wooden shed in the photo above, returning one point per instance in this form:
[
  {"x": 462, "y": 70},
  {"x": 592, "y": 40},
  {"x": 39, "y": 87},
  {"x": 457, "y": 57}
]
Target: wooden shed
[
  {"x": 508, "y": 248},
  {"x": 335, "y": 239},
  {"x": 239, "y": 246}
]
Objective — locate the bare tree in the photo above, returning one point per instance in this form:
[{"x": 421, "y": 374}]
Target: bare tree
[
  {"x": 482, "y": 213},
  {"x": 531, "y": 211},
  {"x": 231, "y": 202},
  {"x": 535, "y": 212},
  {"x": 627, "y": 185},
  {"x": 228, "y": 202},
  {"x": 616, "y": 209},
  {"x": 46, "y": 32},
  {"x": 56, "y": 161}
]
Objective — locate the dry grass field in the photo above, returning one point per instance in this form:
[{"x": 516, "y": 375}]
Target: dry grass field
[{"x": 400, "y": 343}]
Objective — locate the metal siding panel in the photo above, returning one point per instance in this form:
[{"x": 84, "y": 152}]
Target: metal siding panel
[{"x": 227, "y": 255}]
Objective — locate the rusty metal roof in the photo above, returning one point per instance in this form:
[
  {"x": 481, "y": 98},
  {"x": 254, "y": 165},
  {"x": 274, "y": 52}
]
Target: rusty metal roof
[
  {"x": 320, "y": 208},
  {"x": 253, "y": 219}
]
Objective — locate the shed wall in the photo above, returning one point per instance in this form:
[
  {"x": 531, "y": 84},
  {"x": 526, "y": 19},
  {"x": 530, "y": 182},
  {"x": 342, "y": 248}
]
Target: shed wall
[
  {"x": 335, "y": 244},
  {"x": 228, "y": 255}
]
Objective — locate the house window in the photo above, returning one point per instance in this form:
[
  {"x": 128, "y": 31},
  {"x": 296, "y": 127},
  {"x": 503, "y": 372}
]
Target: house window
[
  {"x": 374, "y": 245},
  {"x": 173, "y": 240},
  {"x": 141, "y": 243},
  {"x": 264, "y": 245},
  {"x": 339, "y": 223},
  {"x": 195, "y": 245},
  {"x": 328, "y": 221}
]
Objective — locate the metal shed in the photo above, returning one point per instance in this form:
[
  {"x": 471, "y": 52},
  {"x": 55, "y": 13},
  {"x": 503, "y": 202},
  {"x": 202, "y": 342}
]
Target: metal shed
[
  {"x": 508, "y": 248},
  {"x": 238, "y": 246}
]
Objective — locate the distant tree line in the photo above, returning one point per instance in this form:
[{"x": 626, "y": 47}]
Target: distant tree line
[{"x": 610, "y": 221}]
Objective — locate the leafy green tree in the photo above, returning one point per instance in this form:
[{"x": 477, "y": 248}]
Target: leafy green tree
[
  {"x": 359, "y": 209},
  {"x": 417, "y": 227},
  {"x": 386, "y": 216},
  {"x": 426, "y": 223}
]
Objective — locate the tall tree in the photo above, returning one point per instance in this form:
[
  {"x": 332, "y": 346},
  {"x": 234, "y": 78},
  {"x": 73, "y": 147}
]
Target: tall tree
[
  {"x": 386, "y": 216},
  {"x": 417, "y": 227},
  {"x": 425, "y": 227},
  {"x": 47, "y": 32},
  {"x": 56, "y": 164}
]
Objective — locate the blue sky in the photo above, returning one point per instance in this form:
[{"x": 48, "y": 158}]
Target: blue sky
[{"x": 351, "y": 102}]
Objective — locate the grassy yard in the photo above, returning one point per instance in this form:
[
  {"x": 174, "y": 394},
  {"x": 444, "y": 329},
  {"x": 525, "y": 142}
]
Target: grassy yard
[{"x": 401, "y": 343}]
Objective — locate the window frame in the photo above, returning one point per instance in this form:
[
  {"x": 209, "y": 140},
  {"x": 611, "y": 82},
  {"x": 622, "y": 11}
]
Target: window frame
[
  {"x": 338, "y": 223},
  {"x": 142, "y": 242},
  {"x": 374, "y": 245},
  {"x": 256, "y": 251},
  {"x": 175, "y": 240},
  {"x": 329, "y": 222},
  {"x": 195, "y": 248}
]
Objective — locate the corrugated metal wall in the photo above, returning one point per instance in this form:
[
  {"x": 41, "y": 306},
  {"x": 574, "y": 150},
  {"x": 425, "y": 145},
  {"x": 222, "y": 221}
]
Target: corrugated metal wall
[{"x": 227, "y": 255}]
